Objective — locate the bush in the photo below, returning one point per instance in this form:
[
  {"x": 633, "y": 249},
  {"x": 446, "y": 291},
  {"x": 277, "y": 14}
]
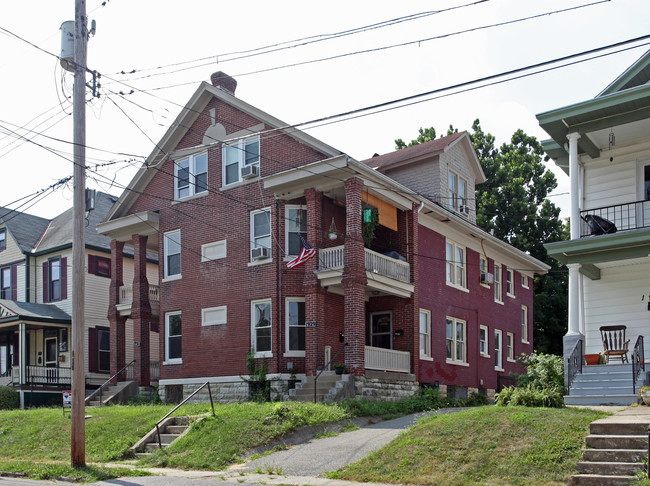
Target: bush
[
  {"x": 542, "y": 371},
  {"x": 9, "y": 399},
  {"x": 530, "y": 396}
]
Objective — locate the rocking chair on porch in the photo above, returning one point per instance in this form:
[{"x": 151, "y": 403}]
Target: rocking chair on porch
[{"x": 614, "y": 342}]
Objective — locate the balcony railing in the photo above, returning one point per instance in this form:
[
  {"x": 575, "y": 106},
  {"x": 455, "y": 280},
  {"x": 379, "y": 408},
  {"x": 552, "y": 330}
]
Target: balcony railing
[
  {"x": 43, "y": 375},
  {"x": 333, "y": 259},
  {"x": 126, "y": 294},
  {"x": 610, "y": 219},
  {"x": 387, "y": 360}
]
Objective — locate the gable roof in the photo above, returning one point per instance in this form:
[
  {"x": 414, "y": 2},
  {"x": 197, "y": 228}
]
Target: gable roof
[
  {"x": 429, "y": 149},
  {"x": 25, "y": 228},
  {"x": 636, "y": 75},
  {"x": 11, "y": 310}
]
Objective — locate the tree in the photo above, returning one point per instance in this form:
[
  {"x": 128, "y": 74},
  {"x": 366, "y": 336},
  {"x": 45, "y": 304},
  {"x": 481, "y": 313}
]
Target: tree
[{"x": 513, "y": 205}]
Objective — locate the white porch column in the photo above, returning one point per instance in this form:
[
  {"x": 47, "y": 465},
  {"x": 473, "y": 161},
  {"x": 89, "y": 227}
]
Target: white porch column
[
  {"x": 574, "y": 298},
  {"x": 574, "y": 175},
  {"x": 22, "y": 349}
]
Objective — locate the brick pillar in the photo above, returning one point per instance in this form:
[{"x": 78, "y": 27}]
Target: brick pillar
[
  {"x": 117, "y": 322},
  {"x": 140, "y": 311},
  {"x": 354, "y": 280},
  {"x": 314, "y": 293},
  {"x": 412, "y": 252}
]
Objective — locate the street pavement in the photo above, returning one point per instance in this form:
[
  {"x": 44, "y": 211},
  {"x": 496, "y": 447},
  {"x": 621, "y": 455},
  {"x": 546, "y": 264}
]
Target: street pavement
[{"x": 301, "y": 464}]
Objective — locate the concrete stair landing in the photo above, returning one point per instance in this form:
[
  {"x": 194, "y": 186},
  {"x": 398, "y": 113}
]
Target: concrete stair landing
[{"x": 609, "y": 384}]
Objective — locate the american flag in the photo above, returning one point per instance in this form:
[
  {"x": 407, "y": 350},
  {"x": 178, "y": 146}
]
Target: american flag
[{"x": 306, "y": 253}]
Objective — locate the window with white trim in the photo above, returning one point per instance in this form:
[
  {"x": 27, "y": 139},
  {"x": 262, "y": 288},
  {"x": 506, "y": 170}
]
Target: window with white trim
[
  {"x": 261, "y": 327},
  {"x": 261, "y": 229},
  {"x": 425, "y": 333},
  {"x": 455, "y": 256},
  {"x": 55, "y": 279},
  {"x": 498, "y": 285},
  {"x": 483, "y": 341},
  {"x": 510, "y": 346},
  {"x": 457, "y": 192},
  {"x": 510, "y": 282},
  {"x": 191, "y": 175},
  {"x": 237, "y": 155},
  {"x": 524, "y": 324},
  {"x": 296, "y": 225},
  {"x": 173, "y": 337},
  {"x": 295, "y": 321},
  {"x": 455, "y": 340},
  {"x": 172, "y": 254},
  {"x": 483, "y": 269},
  {"x": 3, "y": 239},
  {"x": 498, "y": 350},
  {"x": 213, "y": 316},
  {"x": 524, "y": 281},
  {"x": 5, "y": 283}
]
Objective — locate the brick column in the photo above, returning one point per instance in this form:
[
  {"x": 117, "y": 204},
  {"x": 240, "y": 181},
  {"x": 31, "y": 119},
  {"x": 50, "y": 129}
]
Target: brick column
[
  {"x": 140, "y": 311},
  {"x": 354, "y": 280},
  {"x": 117, "y": 322},
  {"x": 314, "y": 293},
  {"x": 412, "y": 252}
]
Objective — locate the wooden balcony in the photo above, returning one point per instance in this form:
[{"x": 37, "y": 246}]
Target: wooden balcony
[
  {"x": 126, "y": 299},
  {"x": 386, "y": 275},
  {"x": 387, "y": 360}
]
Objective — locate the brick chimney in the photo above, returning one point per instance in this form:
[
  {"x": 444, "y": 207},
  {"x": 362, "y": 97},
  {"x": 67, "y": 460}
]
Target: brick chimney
[{"x": 223, "y": 81}]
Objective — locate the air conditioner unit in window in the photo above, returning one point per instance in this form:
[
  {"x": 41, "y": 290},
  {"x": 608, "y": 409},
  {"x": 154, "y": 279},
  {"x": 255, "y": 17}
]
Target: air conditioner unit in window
[
  {"x": 487, "y": 278},
  {"x": 464, "y": 210},
  {"x": 250, "y": 171},
  {"x": 259, "y": 253}
]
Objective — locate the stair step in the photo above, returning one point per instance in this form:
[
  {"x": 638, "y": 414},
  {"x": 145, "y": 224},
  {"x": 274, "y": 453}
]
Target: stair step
[
  {"x": 616, "y": 441},
  {"x": 600, "y": 480},
  {"x": 618, "y": 428},
  {"x": 622, "y": 400},
  {"x": 176, "y": 429},
  {"x": 613, "y": 455},
  {"x": 610, "y": 468},
  {"x": 153, "y": 446}
]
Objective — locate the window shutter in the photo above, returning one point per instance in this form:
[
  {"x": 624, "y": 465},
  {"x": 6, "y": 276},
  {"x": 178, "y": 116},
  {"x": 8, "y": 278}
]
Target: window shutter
[
  {"x": 92, "y": 350},
  {"x": 46, "y": 284},
  {"x": 92, "y": 264},
  {"x": 64, "y": 278},
  {"x": 14, "y": 284}
]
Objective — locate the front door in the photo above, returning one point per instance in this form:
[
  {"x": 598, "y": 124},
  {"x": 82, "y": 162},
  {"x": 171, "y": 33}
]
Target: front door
[
  {"x": 51, "y": 358},
  {"x": 381, "y": 329}
]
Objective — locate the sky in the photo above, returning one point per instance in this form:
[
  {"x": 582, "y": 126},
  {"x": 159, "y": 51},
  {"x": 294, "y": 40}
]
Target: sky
[{"x": 152, "y": 56}]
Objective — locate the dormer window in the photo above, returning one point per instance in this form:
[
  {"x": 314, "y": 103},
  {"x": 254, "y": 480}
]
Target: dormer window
[
  {"x": 458, "y": 194},
  {"x": 241, "y": 160}
]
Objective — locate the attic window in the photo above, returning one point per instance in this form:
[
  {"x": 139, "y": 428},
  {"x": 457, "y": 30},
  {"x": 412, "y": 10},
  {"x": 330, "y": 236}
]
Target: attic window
[{"x": 3, "y": 239}]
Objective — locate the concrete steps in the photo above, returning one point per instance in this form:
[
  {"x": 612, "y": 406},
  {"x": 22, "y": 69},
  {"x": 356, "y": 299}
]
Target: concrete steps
[
  {"x": 170, "y": 430},
  {"x": 121, "y": 392},
  {"x": 617, "y": 448},
  {"x": 604, "y": 385},
  {"x": 329, "y": 387}
]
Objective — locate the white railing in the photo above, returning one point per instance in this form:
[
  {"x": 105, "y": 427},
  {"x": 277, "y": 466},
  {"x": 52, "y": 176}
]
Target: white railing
[
  {"x": 126, "y": 294},
  {"x": 333, "y": 259},
  {"x": 387, "y": 360}
]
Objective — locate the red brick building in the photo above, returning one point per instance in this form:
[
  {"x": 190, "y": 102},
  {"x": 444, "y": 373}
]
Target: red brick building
[{"x": 402, "y": 284}]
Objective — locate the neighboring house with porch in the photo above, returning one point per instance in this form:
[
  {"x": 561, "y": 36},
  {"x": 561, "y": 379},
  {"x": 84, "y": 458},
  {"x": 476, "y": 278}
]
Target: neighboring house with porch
[
  {"x": 36, "y": 302},
  {"x": 603, "y": 144},
  {"x": 404, "y": 288}
]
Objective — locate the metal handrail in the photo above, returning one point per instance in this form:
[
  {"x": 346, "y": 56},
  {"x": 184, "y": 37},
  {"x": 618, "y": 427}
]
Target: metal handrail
[
  {"x": 574, "y": 364},
  {"x": 99, "y": 390},
  {"x": 638, "y": 361},
  {"x": 326, "y": 366},
  {"x": 181, "y": 404}
]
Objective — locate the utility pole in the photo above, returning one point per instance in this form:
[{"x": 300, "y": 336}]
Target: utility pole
[{"x": 78, "y": 412}]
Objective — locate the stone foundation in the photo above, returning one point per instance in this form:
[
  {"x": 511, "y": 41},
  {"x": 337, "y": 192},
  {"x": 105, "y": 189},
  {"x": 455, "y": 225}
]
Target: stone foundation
[
  {"x": 236, "y": 390},
  {"x": 383, "y": 386}
]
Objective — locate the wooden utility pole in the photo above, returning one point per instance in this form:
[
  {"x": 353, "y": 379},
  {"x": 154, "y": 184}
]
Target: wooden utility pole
[{"x": 78, "y": 412}]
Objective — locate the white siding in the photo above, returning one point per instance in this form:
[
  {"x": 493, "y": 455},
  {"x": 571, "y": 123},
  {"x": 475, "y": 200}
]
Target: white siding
[{"x": 12, "y": 254}]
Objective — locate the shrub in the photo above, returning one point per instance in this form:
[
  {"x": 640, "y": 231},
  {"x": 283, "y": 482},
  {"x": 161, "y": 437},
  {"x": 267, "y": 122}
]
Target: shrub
[
  {"x": 9, "y": 398},
  {"x": 530, "y": 396},
  {"x": 542, "y": 371}
]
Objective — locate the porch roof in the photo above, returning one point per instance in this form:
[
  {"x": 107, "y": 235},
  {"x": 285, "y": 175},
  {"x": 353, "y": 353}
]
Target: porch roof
[{"x": 11, "y": 311}]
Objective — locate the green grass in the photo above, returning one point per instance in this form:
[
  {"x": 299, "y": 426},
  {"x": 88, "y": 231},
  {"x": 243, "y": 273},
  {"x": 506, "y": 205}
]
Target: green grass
[{"x": 485, "y": 445}]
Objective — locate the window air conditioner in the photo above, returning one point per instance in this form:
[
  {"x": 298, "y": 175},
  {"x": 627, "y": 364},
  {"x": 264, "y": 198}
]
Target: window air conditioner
[
  {"x": 487, "y": 278},
  {"x": 464, "y": 210},
  {"x": 259, "y": 253},
  {"x": 250, "y": 171}
]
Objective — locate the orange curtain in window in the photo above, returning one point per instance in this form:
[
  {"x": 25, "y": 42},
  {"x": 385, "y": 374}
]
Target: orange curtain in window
[{"x": 387, "y": 212}]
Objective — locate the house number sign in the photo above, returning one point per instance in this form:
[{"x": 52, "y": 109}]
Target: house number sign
[{"x": 310, "y": 323}]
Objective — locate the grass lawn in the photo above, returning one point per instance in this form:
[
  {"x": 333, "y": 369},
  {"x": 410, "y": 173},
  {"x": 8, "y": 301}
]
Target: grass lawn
[{"x": 484, "y": 445}]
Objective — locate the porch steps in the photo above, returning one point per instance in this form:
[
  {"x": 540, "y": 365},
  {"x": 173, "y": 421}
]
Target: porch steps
[
  {"x": 118, "y": 393},
  {"x": 330, "y": 387},
  {"x": 609, "y": 384},
  {"x": 616, "y": 451},
  {"x": 170, "y": 430}
]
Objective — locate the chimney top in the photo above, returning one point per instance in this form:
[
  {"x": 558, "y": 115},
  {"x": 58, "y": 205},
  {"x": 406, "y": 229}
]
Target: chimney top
[{"x": 223, "y": 81}]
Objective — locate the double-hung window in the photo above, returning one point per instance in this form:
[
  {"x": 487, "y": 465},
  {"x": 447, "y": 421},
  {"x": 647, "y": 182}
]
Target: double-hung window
[
  {"x": 456, "y": 342},
  {"x": 5, "y": 283},
  {"x": 510, "y": 346},
  {"x": 455, "y": 256},
  {"x": 483, "y": 268},
  {"x": 172, "y": 253},
  {"x": 425, "y": 333},
  {"x": 483, "y": 341},
  {"x": 457, "y": 192},
  {"x": 261, "y": 230},
  {"x": 296, "y": 225},
  {"x": 103, "y": 350},
  {"x": 498, "y": 350},
  {"x": 173, "y": 337},
  {"x": 524, "y": 324},
  {"x": 3, "y": 239},
  {"x": 524, "y": 281},
  {"x": 510, "y": 282},
  {"x": 261, "y": 327},
  {"x": 191, "y": 175},
  {"x": 54, "y": 283},
  {"x": 498, "y": 284},
  {"x": 238, "y": 155},
  {"x": 295, "y": 312}
]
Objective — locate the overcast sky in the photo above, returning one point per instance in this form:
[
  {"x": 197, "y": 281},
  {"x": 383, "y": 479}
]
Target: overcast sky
[{"x": 173, "y": 46}]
